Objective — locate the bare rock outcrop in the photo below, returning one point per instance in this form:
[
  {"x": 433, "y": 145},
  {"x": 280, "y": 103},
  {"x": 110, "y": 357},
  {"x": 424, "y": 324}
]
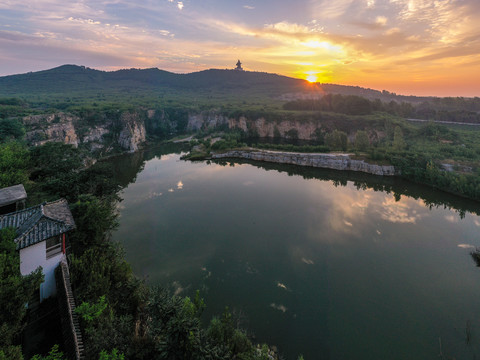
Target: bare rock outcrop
[
  {"x": 51, "y": 128},
  {"x": 133, "y": 131},
  {"x": 303, "y": 130},
  {"x": 328, "y": 161},
  {"x": 128, "y": 131}
]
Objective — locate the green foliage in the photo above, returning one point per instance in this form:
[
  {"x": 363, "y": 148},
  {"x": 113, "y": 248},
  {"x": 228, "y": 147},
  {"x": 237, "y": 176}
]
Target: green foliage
[
  {"x": 11, "y": 352},
  {"x": 319, "y": 136},
  {"x": 11, "y": 129},
  {"x": 14, "y": 163},
  {"x": 276, "y": 133},
  {"x": 437, "y": 132},
  {"x": 336, "y": 140},
  {"x": 345, "y": 104},
  {"x": 95, "y": 220},
  {"x": 102, "y": 279},
  {"x": 291, "y": 134},
  {"x": 226, "y": 145},
  {"x": 293, "y": 148},
  {"x": 443, "y": 109},
  {"x": 15, "y": 291},
  {"x": 11, "y": 101},
  {"x": 56, "y": 168},
  {"x": 114, "y": 355},
  {"x": 54, "y": 354},
  {"x": 90, "y": 312},
  {"x": 195, "y": 308},
  {"x": 172, "y": 322},
  {"x": 362, "y": 142},
  {"x": 398, "y": 140}
]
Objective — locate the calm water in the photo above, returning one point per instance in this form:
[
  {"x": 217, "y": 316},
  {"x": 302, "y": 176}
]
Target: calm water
[{"x": 314, "y": 263}]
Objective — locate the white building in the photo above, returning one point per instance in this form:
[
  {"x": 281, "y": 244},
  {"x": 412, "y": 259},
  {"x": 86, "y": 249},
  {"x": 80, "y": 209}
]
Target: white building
[{"x": 40, "y": 239}]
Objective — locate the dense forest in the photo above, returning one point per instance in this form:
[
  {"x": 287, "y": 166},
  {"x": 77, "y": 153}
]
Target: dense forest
[{"x": 440, "y": 109}]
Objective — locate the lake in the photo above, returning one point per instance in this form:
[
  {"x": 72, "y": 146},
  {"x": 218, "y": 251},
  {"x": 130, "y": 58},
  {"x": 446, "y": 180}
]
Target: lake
[{"x": 328, "y": 264}]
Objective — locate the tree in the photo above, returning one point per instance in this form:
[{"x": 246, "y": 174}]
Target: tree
[
  {"x": 398, "y": 141},
  {"x": 10, "y": 128},
  {"x": 54, "y": 354},
  {"x": 56, "y": 166},
  {"x": 15, "y": 291},
  {"x": 95, "y": 220},
  {"x": 14, "y": 161},
  {"x": 114, "y": 355},
  {"x": 361, "y": 140},
  {"x": 336, "y": 140}
]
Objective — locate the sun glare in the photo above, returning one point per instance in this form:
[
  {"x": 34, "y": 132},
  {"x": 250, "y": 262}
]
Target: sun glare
[{"x": 311, "y": 78}]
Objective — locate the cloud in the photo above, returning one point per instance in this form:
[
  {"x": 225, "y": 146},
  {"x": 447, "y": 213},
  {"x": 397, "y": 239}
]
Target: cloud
[
  {"x": 381, "y": 20},
  {"x": 279, "y": 307},
  {"x": 466, "y": 246},
  {"x": 330, "y": 9},
  {"x": 364, "y": 42},
  {"x": 451, "y": 219},
  {"x": 282, "y": 286},
  {"x": 398, "y": 211},
  {"x": 308, "y": 261}
]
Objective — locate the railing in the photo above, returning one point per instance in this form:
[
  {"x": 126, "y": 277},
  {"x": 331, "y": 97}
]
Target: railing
[{"x": 72, "y": 335}]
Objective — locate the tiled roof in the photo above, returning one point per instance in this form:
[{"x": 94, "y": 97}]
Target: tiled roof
[
  {"x": 12, "y": 194},
  {"x": 39, "y": 223}
]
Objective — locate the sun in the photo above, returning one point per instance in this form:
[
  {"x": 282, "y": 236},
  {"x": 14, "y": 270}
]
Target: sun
[{"x": 312, "y": 78}]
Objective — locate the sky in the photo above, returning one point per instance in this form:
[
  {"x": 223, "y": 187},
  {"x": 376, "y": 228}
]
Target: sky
[{"x": 418, "y": 47}]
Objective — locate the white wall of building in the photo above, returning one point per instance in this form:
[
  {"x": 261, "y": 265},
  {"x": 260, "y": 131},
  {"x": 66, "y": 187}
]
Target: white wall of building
[{"x": 34, "y": 256}]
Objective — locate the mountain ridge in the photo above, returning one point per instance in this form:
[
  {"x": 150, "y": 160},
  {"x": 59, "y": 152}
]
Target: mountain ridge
[{"x": 71, "y": 78}]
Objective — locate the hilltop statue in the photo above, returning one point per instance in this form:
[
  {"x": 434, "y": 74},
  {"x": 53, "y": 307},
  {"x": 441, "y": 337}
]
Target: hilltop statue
[{"x": 239, "y": 66}]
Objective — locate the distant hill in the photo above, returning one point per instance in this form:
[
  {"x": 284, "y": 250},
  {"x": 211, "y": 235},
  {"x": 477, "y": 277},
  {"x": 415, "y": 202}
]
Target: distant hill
[
  {"x": 67, "y": 80},
  {"x": 73, "y": 78}
]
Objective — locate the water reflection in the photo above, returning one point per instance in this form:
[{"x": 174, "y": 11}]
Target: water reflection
[
  {"x": 396, "y": 186},
  {"x": 332, "y": 265}
]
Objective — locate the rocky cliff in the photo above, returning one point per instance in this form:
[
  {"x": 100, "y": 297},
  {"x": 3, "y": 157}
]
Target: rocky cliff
[
  {"x": 50, "y": 127},
  {"x": 261, "y": 127},
  {"x": 132, "y": 133},
  {"x": 328, "y": 161},
  {"x": 128, "y": 131}
]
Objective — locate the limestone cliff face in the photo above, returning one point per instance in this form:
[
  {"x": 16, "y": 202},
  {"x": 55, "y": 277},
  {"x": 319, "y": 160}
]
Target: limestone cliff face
[
  {"x": 51, "y": 127},
  {"x": 133, "y": 131},
  {"x": 328, "y": 161},
  {"x": 208, "y": 120},
  {"x": 304, "y": 130},
  {"x": 128, "y": 131},
  {"x": 94, "y": 137}
]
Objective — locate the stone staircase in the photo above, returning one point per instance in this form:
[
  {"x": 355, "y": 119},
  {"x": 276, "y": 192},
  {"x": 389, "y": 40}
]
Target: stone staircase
[{"x": 72, "y": 334}]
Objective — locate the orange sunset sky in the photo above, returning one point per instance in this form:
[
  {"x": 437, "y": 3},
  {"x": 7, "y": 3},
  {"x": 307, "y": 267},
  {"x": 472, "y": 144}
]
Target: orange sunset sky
[{"x": 419, "y": 47}]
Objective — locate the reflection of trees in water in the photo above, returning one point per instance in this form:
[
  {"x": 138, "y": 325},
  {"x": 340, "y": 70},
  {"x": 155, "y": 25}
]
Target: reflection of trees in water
[
  {"x": 476, "y": 256},
  {"x": 362, "y": 181},
  {"x": 126, "y": 167}
]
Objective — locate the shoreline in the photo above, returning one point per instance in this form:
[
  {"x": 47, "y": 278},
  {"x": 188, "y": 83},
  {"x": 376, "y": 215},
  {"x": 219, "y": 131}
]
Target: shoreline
[{"x": 318, "y": 160}]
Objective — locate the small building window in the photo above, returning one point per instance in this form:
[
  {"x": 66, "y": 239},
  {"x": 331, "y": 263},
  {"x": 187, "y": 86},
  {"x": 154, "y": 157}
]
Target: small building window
[{"x": 54, "y": 246}]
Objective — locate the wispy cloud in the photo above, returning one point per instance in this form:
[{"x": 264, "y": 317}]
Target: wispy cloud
[{"x": 376, "y": 43}]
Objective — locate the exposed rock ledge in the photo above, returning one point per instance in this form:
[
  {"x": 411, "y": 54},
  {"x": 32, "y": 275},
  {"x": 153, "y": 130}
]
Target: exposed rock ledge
[{"x": 329, "y": 161}]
